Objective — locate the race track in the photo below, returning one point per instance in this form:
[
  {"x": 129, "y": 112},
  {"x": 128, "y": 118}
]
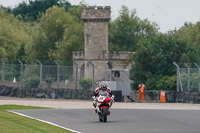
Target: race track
[{"x": 122, "y": 120}]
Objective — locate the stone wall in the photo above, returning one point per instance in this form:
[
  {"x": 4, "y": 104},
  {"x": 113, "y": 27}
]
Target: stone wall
[
  {"x": 99, "y": 72},
  {"x": 96, "y": 40}
]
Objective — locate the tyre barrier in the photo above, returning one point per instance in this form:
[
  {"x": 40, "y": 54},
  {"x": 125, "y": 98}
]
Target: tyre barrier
[{"x": 52, "y": 93}]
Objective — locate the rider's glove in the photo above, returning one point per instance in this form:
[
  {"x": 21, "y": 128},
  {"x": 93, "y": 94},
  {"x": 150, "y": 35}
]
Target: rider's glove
[
  {"x": 112, "y": 98},
  {"x": 94, "y": 98}
]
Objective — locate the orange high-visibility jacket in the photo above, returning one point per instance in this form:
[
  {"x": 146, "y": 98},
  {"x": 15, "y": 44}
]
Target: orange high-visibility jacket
[{"x": 142, "y": 88}]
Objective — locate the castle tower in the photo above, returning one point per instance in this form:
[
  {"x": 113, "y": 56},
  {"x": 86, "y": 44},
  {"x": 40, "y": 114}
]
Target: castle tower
[
  {"x": 96, "y": 31},
  {"x": 96, "y": 46},
  {"x": 95, "y": 40}
]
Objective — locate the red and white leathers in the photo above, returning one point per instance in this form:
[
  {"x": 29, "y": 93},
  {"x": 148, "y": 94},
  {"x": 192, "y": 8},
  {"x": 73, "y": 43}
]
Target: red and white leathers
[
  {"x": 99, "y": 91},
  {"x": 102, "y": 92}
]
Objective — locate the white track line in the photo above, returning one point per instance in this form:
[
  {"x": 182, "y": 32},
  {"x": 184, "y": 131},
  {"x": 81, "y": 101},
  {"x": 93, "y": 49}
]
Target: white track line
[{"x": 44, "y": 121}]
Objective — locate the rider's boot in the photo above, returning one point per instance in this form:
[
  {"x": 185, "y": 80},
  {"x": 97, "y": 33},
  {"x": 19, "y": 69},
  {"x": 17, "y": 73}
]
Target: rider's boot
[
  {"x": 95, "y": 105},
  {"x": 95, "y": 110}
]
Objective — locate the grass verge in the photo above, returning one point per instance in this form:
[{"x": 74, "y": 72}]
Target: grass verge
[{"x": 12, "y": 123}]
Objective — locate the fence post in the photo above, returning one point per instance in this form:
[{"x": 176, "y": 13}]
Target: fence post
[
  {"x": 3, "y": 71},
  {"x": 40, "y": 72},
  {"x": 76, "y": 74},
  {"x": 188, "y": 76},
  {"x": 178, "y": 76},
  {"x": 198, "y": 76},
  {"x": 58, "y": 73},
  {"x": 110, "y": 74},
  {"x": 21, "y": 73},
  {"x": 92, "y": 74},
  {"x": 158, "y": 96}
]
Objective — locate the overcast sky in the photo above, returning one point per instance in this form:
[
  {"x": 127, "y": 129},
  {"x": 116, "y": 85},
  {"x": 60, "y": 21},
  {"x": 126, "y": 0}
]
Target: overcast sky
[{"x": 168, "y": 14}]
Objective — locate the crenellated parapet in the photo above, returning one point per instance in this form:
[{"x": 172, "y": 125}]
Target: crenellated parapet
[
  {"x": 95, "y": 13},
  {"x": 78, "y": 55},
  {"x": 120, "y": 55}
]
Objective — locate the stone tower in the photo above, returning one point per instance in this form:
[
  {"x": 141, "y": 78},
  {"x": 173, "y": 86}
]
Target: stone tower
[
  {"x": 96, "y": 31},
  {"x": 96, "y": 46}
]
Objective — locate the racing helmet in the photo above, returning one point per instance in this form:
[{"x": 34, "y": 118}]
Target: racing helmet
[{"x": 104, "y": 87}]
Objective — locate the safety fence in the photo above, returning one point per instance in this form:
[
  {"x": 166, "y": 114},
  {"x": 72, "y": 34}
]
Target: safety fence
[
  {"x": 188, "y": 77},
  {"x": 57, "y": 76},
  {"x": 36, "y": 75}
]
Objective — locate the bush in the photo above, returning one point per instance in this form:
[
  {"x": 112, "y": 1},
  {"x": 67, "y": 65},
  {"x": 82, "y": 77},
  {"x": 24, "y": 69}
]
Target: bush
[
  {"x": 49, "y": 80},
  {"x": 167, "y": 83},
  {"x": 85, "y": 83},
  {"x": 32, "y": 82}
]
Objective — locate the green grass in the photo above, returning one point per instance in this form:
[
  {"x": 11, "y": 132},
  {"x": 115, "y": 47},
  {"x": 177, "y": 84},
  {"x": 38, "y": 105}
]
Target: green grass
[{"x": 12, "y": 123}]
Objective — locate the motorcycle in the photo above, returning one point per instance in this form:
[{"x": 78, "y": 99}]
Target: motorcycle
[{"x": 103, "y": 105}]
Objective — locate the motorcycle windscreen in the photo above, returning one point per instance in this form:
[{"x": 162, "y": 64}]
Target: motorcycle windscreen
[{"x": 103, "y": 93}]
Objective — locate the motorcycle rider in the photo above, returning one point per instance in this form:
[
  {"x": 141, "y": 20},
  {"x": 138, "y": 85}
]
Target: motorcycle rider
[{"x": 102, "y": 90}]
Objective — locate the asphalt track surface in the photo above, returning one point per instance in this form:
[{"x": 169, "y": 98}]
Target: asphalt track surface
[{"x": 122, "y": 120}]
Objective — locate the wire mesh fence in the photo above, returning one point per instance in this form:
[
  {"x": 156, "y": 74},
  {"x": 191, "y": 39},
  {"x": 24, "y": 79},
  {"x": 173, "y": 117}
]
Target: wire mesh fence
[
  {"x": 188, "y": 79},
  {"x": 56, "y": 81},
  {"x": 33, "y": 76},
  {"x": 53, "y": 76}
]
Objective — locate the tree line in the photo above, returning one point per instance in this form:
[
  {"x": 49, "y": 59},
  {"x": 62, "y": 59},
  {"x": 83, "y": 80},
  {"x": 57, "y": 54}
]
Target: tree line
[{"x": 51, "y": 30}]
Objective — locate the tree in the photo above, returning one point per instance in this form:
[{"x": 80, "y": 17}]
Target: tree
[
  {"x": 55, "y": 37},
  {"x": 190, "y": 33},
  {"x": 73, "y": 38},
  {"x": 12, "y": 36},
  {"x": 155, "y": 56},
  {"x": 127, "y": 30},
  {"x": 33, "y": 10}
]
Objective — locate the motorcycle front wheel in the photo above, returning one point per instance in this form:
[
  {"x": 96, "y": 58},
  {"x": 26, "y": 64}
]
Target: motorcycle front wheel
[
  {"x": 105, "y": 113},
  {"x": 100, "y": 119}
]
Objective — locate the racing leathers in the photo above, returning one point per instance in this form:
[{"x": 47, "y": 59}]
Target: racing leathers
[{"x": 103, "y": 91}]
